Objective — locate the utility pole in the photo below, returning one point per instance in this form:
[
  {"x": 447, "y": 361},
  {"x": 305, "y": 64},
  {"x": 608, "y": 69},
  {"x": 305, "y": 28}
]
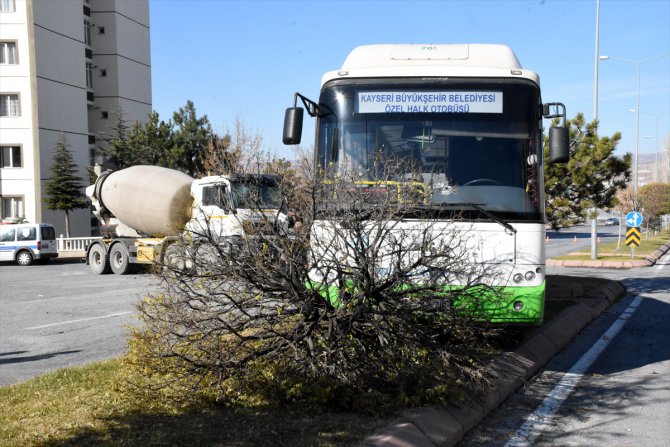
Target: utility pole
[{"x": 594, "y": 222}]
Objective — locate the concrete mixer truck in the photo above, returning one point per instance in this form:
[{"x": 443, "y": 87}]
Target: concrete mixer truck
[{"x": 143, "y": 209}]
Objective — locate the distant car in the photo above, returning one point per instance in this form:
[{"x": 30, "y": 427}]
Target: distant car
[
  {"x": 612, "y": 221},
  {"x": 25, "y": 243}
]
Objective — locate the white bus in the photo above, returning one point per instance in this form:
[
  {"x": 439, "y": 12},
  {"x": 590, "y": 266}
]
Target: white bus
[{"x": 469, "y": 118}]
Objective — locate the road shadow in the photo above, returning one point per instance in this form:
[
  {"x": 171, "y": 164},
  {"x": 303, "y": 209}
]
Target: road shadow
[
  {"x": 4, "y": 360},
  {"x": 636, "y": 346},
  {"x": 38, "y": 264},
  {"x": 616, "y": 398}
]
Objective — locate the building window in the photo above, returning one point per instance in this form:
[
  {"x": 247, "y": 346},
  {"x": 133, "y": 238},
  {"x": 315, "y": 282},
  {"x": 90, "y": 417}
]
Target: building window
[
  {"x": 10, "y": 156},
  {"x": 7, "y": 6},
  {"x": 8, "y": 53},
  {"x": 103, "y": 72},
  {"x": 101, "y": 30},
  {"x": 87, "y": 11},
  {"x": 9, "y": 105},
  {"x": 93, "y": 155},
  {"x": 89, "y": 75},
  {"x": 105, "y": 115},
  {"x": 12, "y": 207},
  {"x": 87, "y": 32}
]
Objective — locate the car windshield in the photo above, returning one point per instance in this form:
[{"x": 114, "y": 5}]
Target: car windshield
[{"x": 467, "y": 142}]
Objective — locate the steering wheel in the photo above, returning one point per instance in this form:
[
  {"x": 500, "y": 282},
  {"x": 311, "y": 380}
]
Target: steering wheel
[{"x": 482, "y": 181}]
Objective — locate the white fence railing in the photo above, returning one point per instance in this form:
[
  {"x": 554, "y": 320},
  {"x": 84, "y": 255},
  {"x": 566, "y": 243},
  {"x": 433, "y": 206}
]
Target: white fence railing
[{"x": 74, "y": 245}]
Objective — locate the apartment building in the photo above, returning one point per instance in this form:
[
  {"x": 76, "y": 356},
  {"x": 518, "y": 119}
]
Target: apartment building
[{"x": 65, "y": 66}]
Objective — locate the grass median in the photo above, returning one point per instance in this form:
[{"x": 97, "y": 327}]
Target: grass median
[
  {"x": 89, "y": 406},
  {"x": 608, "y": 251}
]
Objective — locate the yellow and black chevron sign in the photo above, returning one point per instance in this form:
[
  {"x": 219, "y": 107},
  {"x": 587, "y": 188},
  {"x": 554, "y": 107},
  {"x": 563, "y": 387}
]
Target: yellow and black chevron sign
[{"x": 633, "y": 237}]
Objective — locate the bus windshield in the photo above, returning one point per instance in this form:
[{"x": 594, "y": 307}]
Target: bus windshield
[{"x": 474, "y": 141}]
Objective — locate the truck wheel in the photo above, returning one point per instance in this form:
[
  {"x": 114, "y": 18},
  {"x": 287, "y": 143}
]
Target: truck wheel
[
  {"x": 119, "y": 259},
  {"x": 176, "y": 259},
  {"x": 98, "y": 260},
  {"x": 24, "y": 258},
  {"x": 171, "y": 259}
]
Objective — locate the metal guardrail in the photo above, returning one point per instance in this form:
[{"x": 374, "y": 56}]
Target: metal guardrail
[{"x": 74, "y": 246}]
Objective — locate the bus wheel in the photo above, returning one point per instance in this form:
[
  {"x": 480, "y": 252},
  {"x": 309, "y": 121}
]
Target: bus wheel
[
  {"x": 119, "y": 259},
  {"x": 98, "y": 260},
  {"x": 24, "y": 258}
]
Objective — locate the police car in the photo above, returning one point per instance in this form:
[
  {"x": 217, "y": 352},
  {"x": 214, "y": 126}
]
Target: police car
[{"x": 26, "y": 243}]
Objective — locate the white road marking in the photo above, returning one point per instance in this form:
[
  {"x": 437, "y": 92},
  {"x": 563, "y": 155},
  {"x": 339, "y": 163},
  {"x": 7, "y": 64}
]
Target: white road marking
[
  {"x": 118, "y": 314},
  {"x": 541, "y": 417},
  {"x": 115, "y": 292}
]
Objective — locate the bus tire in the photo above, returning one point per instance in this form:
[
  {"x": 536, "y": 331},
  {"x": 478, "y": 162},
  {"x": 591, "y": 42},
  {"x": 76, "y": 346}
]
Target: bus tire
[
  {"x": 119, "y": 259},
  {"x": 98, "y": 260}
]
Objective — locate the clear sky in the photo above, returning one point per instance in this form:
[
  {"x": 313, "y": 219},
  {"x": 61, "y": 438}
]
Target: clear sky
[{"x": 245, "y": 59}]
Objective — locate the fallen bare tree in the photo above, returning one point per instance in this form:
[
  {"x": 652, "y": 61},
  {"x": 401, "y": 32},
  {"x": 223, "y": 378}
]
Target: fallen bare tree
[{"x": 344, "y": 300}]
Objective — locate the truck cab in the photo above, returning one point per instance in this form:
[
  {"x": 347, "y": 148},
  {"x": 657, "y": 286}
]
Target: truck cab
[{"x": 235, "y": 206}]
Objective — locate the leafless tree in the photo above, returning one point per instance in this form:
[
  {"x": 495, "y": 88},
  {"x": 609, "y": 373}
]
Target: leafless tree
[{"x": 353, "y": 294}]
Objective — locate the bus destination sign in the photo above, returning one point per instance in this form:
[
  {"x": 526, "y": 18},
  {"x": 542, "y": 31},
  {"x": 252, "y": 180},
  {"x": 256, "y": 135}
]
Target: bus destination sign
[{"x": 429, "y": 102}]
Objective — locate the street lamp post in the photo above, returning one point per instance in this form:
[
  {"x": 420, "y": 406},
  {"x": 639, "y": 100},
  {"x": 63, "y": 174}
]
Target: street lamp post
[
  {"x": 595, "y": 81},
  {"x": 637, "y": 109},
  {"x": 657, "y": 116}
]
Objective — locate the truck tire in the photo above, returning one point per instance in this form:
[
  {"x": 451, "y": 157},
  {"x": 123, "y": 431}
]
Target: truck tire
[
  {"x": 24, "y": 258},
  {"x": 172, "y": 259},
  {"x": 119, "y": 259},
  {"x": 98, "y": 260}
]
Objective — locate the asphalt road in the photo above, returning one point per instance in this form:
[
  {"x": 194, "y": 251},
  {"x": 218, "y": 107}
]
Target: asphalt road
[
  {"x": 578, "y": 238},
  {"x": 606, "y": 388},
  {"x": 61, "y": 314}
]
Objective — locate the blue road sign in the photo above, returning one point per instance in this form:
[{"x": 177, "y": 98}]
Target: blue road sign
[{"x": 634, "y": 219}]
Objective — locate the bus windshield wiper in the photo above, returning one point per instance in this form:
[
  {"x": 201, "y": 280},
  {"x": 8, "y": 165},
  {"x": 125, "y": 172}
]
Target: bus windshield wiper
[
  {"x": 484, "y": 211},
  {"x": 492, "y": 216}
]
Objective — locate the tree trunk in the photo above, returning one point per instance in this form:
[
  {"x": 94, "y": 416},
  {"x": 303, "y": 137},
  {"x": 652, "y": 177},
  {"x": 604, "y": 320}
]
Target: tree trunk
[{"x": 67, "y": 224}]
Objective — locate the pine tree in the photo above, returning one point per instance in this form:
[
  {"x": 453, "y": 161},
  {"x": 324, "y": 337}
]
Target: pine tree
[
  {"x": 115, "y": 147},
  {"x": 64, "y": 188},
  {"x": 150, "y": 143},
  {"x": 591, "y": 178},
  {"x": 191, "y": 138}
]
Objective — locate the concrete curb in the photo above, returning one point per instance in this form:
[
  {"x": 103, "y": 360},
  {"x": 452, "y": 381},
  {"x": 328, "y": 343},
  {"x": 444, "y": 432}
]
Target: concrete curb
[
  {"x": 444, "y": 427},
  {"x": 648, "y": 261}
]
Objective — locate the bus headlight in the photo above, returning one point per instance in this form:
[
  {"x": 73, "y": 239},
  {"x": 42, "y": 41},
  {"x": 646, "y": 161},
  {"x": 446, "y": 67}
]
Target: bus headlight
[
  {"x": 518, "y": 305},
  {"x": 518, "y": 278},
  {"x": 529, "y": 276}
]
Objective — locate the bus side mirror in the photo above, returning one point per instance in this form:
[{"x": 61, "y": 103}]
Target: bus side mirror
[
  {"x": 559, "y": 145},
  {"x": 293, "y": 125}
]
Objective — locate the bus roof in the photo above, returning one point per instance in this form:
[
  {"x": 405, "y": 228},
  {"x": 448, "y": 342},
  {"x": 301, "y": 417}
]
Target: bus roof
[{"x": 439, "y": 60}]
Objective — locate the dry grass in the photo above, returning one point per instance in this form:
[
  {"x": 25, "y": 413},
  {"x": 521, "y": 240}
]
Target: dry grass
[{"x": 90, "y": 406}]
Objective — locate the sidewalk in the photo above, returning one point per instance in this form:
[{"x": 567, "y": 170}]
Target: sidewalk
[{"x": 445, "y": 426}]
